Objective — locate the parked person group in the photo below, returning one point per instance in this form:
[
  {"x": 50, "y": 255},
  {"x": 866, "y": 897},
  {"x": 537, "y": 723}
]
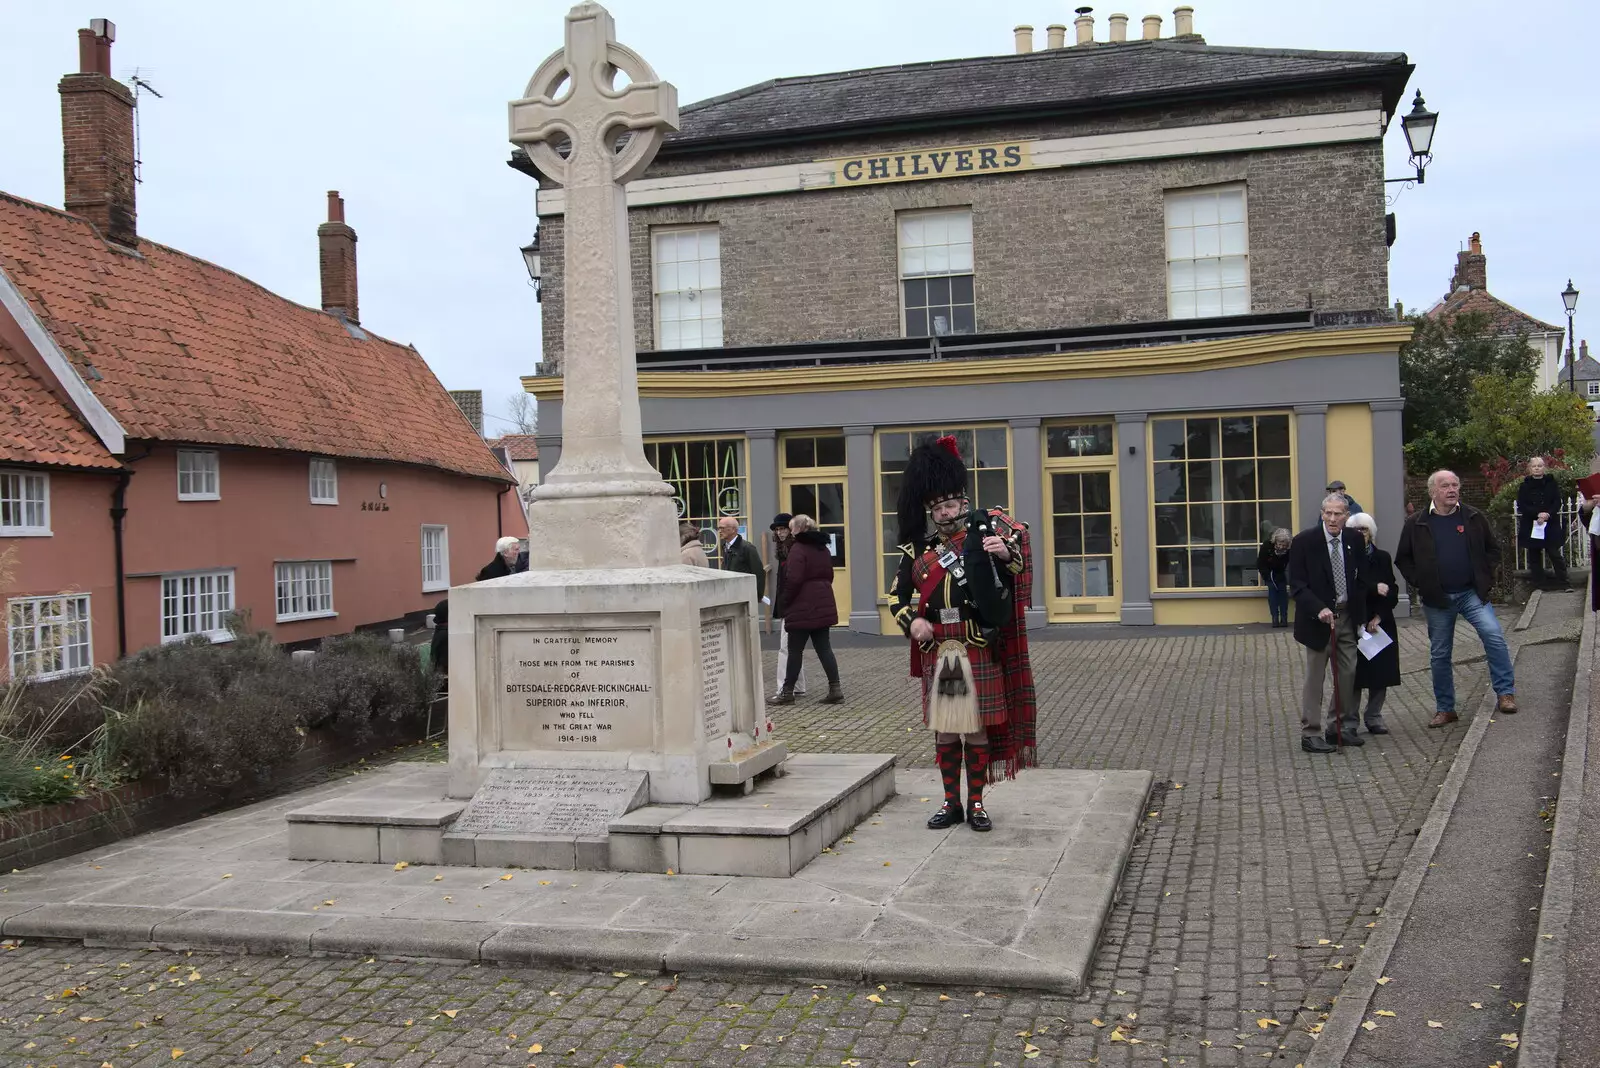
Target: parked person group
[
  {"x": 809, "y": 609},
  {"x": 1540, "y": 531}
]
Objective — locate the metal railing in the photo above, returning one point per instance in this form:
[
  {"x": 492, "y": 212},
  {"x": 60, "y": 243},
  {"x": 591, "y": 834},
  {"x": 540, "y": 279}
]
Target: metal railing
[{"x": 1576, "y": 534}]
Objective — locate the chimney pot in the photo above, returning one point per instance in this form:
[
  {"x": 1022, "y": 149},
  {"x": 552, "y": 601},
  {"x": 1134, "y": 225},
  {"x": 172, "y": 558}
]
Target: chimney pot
[
  {"x": 1056, "y": 35},
  {"x": 1472, "y": 266},
  {"x": 336, "y": 243},
  {"x": 1085, "y": 24},
  {"x": 1119, "y": 27},
  {"x": 1024, "y": 36},
  {"x": 1152, "y": 27},
  {"x": 1475, "y": 244},
  {"x": 1583, "y": 349},
  {"x": 1183, "y": 21},
  {"x": 97, "y": 138}
]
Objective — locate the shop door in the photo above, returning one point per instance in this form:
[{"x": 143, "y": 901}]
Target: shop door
[
  {"x": 1082, "y": 581},
  {"x": 824, "y": 501}
]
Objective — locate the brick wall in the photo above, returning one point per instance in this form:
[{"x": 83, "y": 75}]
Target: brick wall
[
  {"x": 97, "y": 143},
  {"x": 1053, "y": 248}
]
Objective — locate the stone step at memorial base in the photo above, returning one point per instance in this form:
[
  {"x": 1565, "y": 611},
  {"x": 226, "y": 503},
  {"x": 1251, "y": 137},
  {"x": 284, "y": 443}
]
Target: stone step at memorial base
[{"x": 774, "y": 831}]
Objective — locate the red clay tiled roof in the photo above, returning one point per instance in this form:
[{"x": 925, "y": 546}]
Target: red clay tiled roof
[
  {"x": 189, "y": 351},
  {"x": 36, "y": 427},
  {"x": 1503, "y": 318},
  {"x": 517, "y": 446}
]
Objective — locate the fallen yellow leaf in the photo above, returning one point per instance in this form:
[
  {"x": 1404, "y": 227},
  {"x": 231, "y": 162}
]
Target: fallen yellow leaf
[
  {"x": 410, "y": 1022},
  {"x": 1435, "y": 1023},
  {"x": 506, "y": 876},
  {"x": 944, "y": 997},
  {"x": 1266, "y": 1022},
  {"x": 536, "y": 1048},
  {"x": 1098, "y": 1022},
  {"x": 1384, "y": 1012},
  {"x": 620, "y": 975},
  {"x": 1117, "y": 1036},
  {"x": 451, "y": 1013},
  {"x": 176, "y": 1053},
  {"x": 875, "y": 999},
  {"x": 1476, "y": 1004},
  {"x": 1029, "y": 1047},
  {"x": 1384, "y": 980},
  {"x": 402, "y": 866},
  {"x": 438, "y": 878},
  {"x": 1368, "y": 1025}
]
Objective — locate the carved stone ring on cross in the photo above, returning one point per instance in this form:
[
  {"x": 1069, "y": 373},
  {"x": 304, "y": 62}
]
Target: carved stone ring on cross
[{"x": 589, "y": 111}]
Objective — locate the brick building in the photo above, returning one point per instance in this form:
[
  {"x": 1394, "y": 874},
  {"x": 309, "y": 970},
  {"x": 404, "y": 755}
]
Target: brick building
[
  {"x": 1469, "y": 294},
  {"x": 178, "y": 443},
  {"x": 1143, "y": 281}
]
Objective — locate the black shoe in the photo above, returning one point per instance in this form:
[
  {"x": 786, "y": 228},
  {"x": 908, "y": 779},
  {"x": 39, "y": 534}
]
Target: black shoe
[
  {"x": 1377, "y": 728},
  {"x": 948, "y": 816},
  {"x": 1351, "y": 738},
  {"x": 979, "y": 818},
  {"x": 1313, "y": 743}
]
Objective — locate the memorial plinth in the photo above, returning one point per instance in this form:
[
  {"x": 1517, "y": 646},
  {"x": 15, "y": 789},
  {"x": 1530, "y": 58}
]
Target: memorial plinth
[{"x": 653, "y": 670}]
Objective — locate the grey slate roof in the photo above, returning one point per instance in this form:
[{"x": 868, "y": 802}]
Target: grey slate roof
[
  {"x": 1054, "y": 80},
  {"x": 1586, "y": 370}
]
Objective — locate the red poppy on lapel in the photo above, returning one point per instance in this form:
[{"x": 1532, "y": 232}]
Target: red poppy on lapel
[{"x": 1461, "y": 530}]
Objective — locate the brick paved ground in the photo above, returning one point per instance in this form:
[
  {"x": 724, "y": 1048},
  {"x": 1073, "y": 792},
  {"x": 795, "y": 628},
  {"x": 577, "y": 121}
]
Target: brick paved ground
[{"x": 1246, "y": 897}]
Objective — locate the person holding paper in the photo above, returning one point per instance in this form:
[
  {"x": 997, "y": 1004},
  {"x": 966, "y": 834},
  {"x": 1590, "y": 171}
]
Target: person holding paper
[
  {"x": 1539, "y": 528},
  {"x": 1377, "y": 673},
  {"x": 1332, "y": 594}
]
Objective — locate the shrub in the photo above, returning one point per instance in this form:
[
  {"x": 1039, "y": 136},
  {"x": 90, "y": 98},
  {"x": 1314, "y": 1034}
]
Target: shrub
[{"x": 362, "y": 680}]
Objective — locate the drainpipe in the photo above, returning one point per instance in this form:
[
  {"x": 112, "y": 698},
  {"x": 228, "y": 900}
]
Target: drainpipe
[
  {"x": 119, "y": 510},
  {"x": 500, "y": 512}
]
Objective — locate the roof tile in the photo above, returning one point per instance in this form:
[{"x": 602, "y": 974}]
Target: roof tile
[
  {"x": 1504, "y": 320},
  {"x": 180, "y": 349},
  {"x": 37, "y": 427}
]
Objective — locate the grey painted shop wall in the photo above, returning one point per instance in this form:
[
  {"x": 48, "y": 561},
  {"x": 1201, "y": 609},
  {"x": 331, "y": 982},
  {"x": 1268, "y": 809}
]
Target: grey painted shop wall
[{"x": 1308, "y": 386}]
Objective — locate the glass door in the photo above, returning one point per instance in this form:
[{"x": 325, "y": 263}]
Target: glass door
[
  {"x": 813, "y": 484},
  {"x": 1084, "y": 536}
]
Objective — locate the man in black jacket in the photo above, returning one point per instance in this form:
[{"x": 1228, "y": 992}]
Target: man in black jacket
[
  {"x": 739, "y": 555},
  {"x": 1328, "y": 581},
  {"x": 1447, "y": 554}
]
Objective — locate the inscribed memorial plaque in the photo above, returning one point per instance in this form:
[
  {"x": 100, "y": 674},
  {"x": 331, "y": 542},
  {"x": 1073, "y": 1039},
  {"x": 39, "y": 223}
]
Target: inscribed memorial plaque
[
  {"x": 716, "y": 699},
  {"x": 551, "y": 801},
  {"x": 584, "y": 689}
]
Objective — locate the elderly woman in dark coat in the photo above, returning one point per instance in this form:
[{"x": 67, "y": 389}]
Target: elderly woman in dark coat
[
  {"x": 809, "y": 610},
  {"x": 1376, "y": 675},
  {"x": 1539, "y": 500}
]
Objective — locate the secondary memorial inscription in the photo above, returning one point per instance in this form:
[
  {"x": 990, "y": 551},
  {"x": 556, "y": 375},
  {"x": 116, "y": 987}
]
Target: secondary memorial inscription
[
  {"x": 550, "y": 801},
  {"x": 716, "y": 698},
  {"x": 583, "y": 689}
]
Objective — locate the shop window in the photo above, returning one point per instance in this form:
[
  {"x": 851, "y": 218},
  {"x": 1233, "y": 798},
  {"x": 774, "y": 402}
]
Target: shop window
[{"x": 708, "y": 481}]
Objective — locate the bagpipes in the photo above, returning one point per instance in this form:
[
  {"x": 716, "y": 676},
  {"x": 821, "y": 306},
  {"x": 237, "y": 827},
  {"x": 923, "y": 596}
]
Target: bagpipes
[{"x": 988, "y": 591}]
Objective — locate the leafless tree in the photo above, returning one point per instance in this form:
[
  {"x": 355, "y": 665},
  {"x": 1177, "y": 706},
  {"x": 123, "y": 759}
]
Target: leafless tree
[{"x": 523, "y": 412}]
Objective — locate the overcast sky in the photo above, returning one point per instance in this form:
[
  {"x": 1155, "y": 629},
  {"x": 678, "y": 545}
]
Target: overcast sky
[{"x": 401, "y": 107}]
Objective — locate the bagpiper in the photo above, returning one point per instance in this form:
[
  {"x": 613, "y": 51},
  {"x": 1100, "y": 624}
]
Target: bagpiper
[{"x": 963, "y": 584}]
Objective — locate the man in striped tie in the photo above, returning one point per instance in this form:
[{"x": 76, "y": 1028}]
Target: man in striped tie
[{"x": 1328, "y": 581}]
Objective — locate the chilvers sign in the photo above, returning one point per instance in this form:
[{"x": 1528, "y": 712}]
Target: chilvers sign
[{"x": 919, "y": 164}]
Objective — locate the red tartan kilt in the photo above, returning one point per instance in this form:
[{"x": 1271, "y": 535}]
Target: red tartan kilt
[{"x": 986, "y": 675}]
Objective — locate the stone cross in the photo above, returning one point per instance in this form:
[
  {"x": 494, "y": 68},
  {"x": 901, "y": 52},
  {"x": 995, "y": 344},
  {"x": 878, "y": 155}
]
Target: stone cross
[{"x": 602, "y": 505}]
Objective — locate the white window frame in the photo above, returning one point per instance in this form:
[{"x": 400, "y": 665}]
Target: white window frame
[
  {"x": 439, "y": 567},
  {"x": 19, "y": 505},
  {"x": 1206, "y": 234},
  {"x": 210, "y": 600},
  {"x": 304, "y": 588},
  {"x": 203, "y": 468},
  {"x": 26, "y": 638},
  {"x": 1594, "y": 391},
  {"x": 939, "y": 250},
  {"x": 682, "y": 283},
  {"x": 324, "y": 475}
]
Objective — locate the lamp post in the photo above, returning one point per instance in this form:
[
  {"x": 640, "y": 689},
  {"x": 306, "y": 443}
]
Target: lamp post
[
  {"x": 1418, "y": 125},
  {"x": 531, "y": 259},
  {"x": 1569, "y": 297}
]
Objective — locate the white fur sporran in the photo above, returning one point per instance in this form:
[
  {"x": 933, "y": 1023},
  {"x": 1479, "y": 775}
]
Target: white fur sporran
[{"x": 953, "y": 695}]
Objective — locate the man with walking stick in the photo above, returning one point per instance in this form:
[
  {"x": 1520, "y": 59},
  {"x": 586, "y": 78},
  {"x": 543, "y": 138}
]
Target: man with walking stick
[{"x": 1329, "y": 583}]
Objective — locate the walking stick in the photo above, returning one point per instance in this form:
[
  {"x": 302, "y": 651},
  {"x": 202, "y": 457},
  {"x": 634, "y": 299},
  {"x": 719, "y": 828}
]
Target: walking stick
[{"x": 1338, "y": 706}]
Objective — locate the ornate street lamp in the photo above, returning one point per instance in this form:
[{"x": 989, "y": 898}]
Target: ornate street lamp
[
  {"x": 1569, "y": 297},
  {"x": 530, "y": 257}
]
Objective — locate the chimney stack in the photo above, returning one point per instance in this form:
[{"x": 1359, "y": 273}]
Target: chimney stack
[
  {"x": 1152, "y": 27},
  {"x": 1119, "y": 27},
  {"x": 1583, "y": 350},
  {"x": 1024, "y": 35},
  {"x": 1056, "y": 35},
  {"x": 1183, "y": 21},
  {"x": 1085, "y": 24},
  {"x": 97, "y": 139},
  {"x": 1472, "y": 266},
  {"x": 337, "y": 246}
]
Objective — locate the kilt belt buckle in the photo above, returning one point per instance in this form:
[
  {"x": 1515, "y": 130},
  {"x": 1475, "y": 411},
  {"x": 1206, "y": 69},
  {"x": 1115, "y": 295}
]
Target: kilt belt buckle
[{"x": 950, "y": 615}]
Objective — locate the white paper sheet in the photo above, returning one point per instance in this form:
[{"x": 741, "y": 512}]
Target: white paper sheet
[
  {"x": 1374, "y": 643},
  {"x": 1538, "y": 531},
  {"x": 1594, "y": 522}
]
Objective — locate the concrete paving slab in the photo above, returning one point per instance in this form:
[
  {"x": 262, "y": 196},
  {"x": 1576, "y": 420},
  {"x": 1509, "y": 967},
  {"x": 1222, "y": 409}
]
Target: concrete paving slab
[
  {"x": 238, "y": 931},
  {"x": 884, "y": 902}
]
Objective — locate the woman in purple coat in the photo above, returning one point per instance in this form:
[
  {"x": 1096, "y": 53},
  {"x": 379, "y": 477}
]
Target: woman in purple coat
[{"x": 809, "y": 610}]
